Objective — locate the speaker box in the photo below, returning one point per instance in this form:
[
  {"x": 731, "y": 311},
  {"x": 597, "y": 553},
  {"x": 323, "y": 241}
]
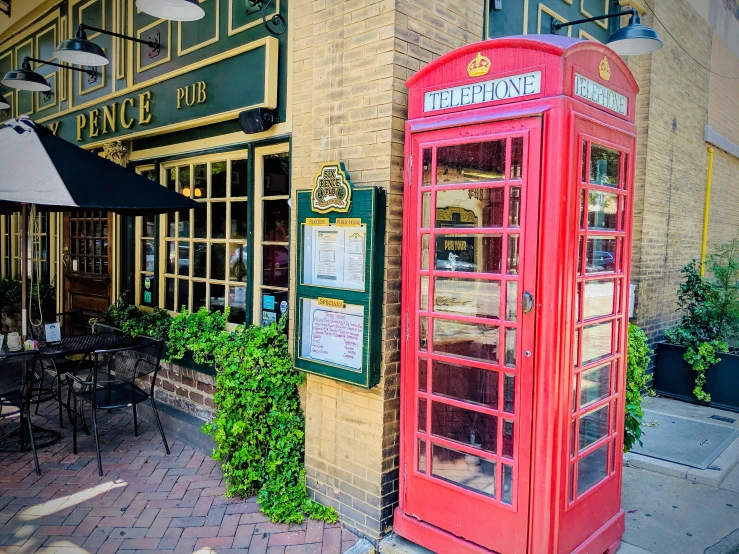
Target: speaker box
[{"x": 257, "y": 120}]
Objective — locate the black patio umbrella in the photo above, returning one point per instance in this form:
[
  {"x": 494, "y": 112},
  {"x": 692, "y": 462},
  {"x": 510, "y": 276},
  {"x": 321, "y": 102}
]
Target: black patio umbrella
[{"x": 39, "y": 168}]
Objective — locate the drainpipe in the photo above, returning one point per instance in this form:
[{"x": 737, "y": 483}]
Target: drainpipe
[{"x": 709, "y": 177}]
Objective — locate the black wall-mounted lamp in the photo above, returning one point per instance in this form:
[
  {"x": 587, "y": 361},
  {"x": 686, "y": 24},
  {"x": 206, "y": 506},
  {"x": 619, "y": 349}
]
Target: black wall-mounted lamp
[
  {"x": 632, "y": 40},
  {"x": 26, "y": 78},
  {"x": 81, "y": 51},
  {"x": 275, "y": 25}
]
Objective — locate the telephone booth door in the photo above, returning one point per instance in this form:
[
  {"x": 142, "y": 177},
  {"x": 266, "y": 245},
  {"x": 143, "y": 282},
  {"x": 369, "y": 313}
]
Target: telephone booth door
[{"x": 471, "y": 244}]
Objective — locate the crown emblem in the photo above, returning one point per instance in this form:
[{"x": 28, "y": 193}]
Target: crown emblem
[
  {"x": 479, "y": 66},
  {"x": 604, "y": 69}
]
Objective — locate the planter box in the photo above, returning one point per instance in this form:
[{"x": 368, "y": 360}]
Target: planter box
[{"x": 676, "y": 379}]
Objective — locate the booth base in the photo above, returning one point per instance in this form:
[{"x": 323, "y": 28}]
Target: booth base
[{"x": 606, "y": 540}]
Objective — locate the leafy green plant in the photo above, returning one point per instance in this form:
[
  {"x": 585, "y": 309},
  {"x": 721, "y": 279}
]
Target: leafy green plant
[
  {"x": 723, "y": 266},
  {"x": 701, "y": 357},
  {"x": 134, "y": 322},
  {"x": 199, "y": 332},
  {"x": 698, "y": 319},
  {"x": 637, "y": 363},
  {"x": 259, "y": 427}
]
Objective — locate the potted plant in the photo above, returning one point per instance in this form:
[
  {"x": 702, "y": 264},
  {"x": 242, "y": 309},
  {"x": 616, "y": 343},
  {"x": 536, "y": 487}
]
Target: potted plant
[{"x": 699, "y": 360}]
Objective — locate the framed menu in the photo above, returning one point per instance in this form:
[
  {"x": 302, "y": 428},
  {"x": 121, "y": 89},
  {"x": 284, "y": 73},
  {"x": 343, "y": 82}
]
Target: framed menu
[{"x": 335, "y": 256}]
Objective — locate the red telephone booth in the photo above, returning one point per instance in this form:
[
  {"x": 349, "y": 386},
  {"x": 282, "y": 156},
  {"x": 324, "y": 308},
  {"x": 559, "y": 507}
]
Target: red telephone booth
[{"x": 517, "y": 228}]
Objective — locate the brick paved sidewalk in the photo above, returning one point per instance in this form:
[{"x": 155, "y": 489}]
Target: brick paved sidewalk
[{"x": 146, "y": 500}]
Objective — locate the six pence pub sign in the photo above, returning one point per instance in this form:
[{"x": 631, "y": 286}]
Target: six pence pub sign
[{"x": 332, "y": 191}]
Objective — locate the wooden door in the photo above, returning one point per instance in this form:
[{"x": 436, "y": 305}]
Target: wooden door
[
  {"x": 468, "y": 360},
  {"x": 87, "y": 262}
]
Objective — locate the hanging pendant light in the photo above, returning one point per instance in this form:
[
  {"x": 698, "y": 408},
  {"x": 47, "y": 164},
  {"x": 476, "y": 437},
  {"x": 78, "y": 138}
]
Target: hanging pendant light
[
  {"x": 25, "y": 79},
  {"x": 3, "y": 104},
  {"x": 634, "y": 39},
  {"x": 80, "y": 51},
  {"x": 175, "y": 10}
]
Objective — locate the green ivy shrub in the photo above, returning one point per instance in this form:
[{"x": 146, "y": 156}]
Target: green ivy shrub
[
  {"x": 133, "y": 321},
  {"x": 637, "y": 362}
]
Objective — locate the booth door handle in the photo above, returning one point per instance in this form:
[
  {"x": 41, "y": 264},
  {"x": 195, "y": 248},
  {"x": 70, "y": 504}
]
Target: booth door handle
[{"x": 527, "y": 303}]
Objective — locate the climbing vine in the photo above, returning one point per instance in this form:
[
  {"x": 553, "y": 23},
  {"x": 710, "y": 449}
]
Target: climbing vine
[{"x": 637, "y": 363}]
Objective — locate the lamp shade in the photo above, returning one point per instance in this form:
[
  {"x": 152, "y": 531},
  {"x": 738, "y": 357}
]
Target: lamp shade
[
  {"x": 3, "y": 104},
  {"x": 634, "y": 39},
  {"x": 81, "y": 51},
  {"x": 25, "y": 79},
  {"x": 176, "y": 10}
]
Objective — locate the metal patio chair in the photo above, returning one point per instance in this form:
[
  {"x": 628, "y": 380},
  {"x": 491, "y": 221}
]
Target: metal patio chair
[
  {"x": 17, "y": 375},
  {"x": 116, "y": 381}
]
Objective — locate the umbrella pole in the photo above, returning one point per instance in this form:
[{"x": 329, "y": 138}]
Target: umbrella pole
[{"x": 24, "y": 271}]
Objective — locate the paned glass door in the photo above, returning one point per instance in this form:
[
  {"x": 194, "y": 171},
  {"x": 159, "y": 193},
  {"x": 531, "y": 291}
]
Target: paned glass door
[{"x": 469, "y": 306}]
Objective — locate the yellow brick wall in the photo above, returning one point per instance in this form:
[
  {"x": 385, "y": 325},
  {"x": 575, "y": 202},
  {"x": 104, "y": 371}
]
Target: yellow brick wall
[
  {"x": 350, "y": 63},
  {"x": 723, "y": 99},
  {"x": 723, "y": 218}
]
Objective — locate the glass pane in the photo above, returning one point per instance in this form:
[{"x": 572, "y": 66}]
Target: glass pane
[
  {"x": 217, "y": 300},
  {"x": 466, "y": 340},
  {"x": 238, "y": 178},
  {"x": 584, "y": 161},
  {"x": 217, "y": 261},
  {"x": 276, "y": 221},
  {"x": 275, "y": 268},
  {"x": 170, "y": 256},
  {"x": 596, "y": 341},
  {"x": 511, "y": 300},
  {"x": 171, "y": 179},
  {"x": 593, "y": 427},
  {"x": 238, "y": 220},
  {"x": 512, "y": 262},
  {"x": 218, "y": 180},
  {"x": 514, "y": 207},
  {"x": 422, "y": 374},
  {"x": 508, "y": 438},
  {"x": 592, "y": 469},
  {"x": 604, "y": 166},
  {"x": 595, "y": 384},
  {"x": 424, "y": 251},
  {"x": 183, "y": 180},
  {"x": 183, "y": 258},
  {"x": 424, "y": 300},
  {"x": 427, "y": 166},
  {"x": 237, "y": 263},
  {"x": 200, "y": 181},
  {"x": 466, "y": 470},
  {"x": 184, "y": 225},
  {"x": 426, "y": 210},
  {"x": 472, "y": 297},
  {"x": 600, "y": 255},
  {"x": 183, "y": 294},
  {"x": 469, "y": 384},
  {"x": 147, "y": 255},
  {"x": 274, "y": 304},
  {"x": 507, "y": 495},
  {"x": 198, "y": 295},
  {"x": 470, "y": 208},
  {"x": 423, "y": 333},
  {"x": 422, "y": 414},
  {"x": 200, "y": 259},
  {"x": 143, "y": 297},
  {"x": 217, "y": 220},
  {"x": 473, "y": 253},
  {"x": 200, "y": 223},
  {"x": 509, "y": 392},
  {"x": 237, "y": 303},
  {"x": 516, "y": 157},
  {"x": 169, "y": 224},
  {"x": 602, "y": 210},
  {"x": 422, "y": 456},
  {"x": 276, "y": 175},
  {"x": 598, "y": 298},
  {"x": 169, "y": 286},
  {"x": 471, "y": 428},
  {"x": 510, "y": 347},
  {"x": 468, "y": 163},
  {"x": 148, "y": 225}
]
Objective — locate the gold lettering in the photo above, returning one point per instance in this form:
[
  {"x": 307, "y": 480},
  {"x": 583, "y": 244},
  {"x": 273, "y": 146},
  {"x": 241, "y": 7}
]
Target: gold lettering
[
  {"x": 180, "y": 96},
  {"x": 54, "y": 127},
  {"x": 202, "y": 96},
  {"x": 81, "y": 124},
  {"x": 187, "y": 96},
  {"x": 94, "y": 123},
  {"x": 144, "y": 107},
  {"x": 124, "y": 123},
  {"x": 109, "y": 117}
]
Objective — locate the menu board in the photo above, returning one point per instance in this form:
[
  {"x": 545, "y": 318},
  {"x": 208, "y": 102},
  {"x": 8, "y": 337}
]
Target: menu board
[
  {"x": 335, "y": 256},
  {"x": 333, "y": 332}
]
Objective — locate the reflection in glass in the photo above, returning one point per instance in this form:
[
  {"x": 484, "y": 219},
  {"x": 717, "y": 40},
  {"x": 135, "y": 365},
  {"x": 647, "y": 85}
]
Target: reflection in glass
[
  {"x": 472, "y": 297},
  {"x": 276, "y": 175},
  {"x": 272, "y": 315},
  {"x": 422, "y": 415},
  {"x": 509, "y": 393},
  {"x": 217, "y": 297},
  {"x": 595, "y": 384},
  {"x": 218, "y": 261},
  {"x": 426, "y": 210},
  {"x": 238, "y": 178},
  {"x": 422, "y": 374},
  {"x": 423, "y": 333},
  {"x": 217, "y": 220},
  {"x": 469, "y": 384},
  {"x": 514, "y": 207},
  {"x": 475, "y": 341},
  {"x": 598, "y": 298},
  {"x": 478, "y": 207},
  {"x": 465, "y": 426},
  {"x": 473, "y": 253},
  {"x": 218, "y": 180},
  {"x": 237, "y": 263},
  {"x": 510, "y": 347},
  {"x": 237, "y": 303},
  {"x": 184, "y": 225},
  {"x": 516, "y": 157},
  {"x": 604, "y": 166},
  {"x": 183, "y": 180},
  {"x": 422, "y": 456},
  {"x": 507, "y": 494},
  {"x": 148, "y": 255},
  {"x": 512, "y": 255},
  {"x": 511, "y": 300},
  {"x": 275, "y": 270},
  {"x": 600, "y": 255},
  {"x": 199, "y": 259},
  {"x": 592, "y": 469},
  {"x": 199, "y": 182},
  {"x": 276, "y": 221},
  {"x": 183, "y": 258},
  {"x": 466, "y": 470},
  {"x": 424, "y": 251},
  {"x": 584, "y": 161},
  {"x": 198, "y": 295},
  {"x": 183, "y": 294},
  {"x": 169, "y": 286},
  {"x": 602, "y": 210},
  {"x": 474, "y": 162},
  {"x": 200, "y": 223},
  {"x": 593, "y": 427},
  {"x": 148, "y": 225},
  {"x": 170, "y": 256},
  {"x": 596, "y": 341},
  {"x": 508, "y": 438},
  {"x": 238, "y": 220},
  {"x": 427, "y": 166}
]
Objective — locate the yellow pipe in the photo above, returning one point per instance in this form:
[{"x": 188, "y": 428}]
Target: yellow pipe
[{"x": 709, "y": 178}]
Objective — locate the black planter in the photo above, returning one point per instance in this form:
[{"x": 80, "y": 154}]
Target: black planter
[{"x": 676, "y": 379}]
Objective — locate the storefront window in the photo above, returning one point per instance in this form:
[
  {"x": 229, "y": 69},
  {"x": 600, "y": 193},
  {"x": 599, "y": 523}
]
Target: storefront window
[{"x": 38, "y": 246}]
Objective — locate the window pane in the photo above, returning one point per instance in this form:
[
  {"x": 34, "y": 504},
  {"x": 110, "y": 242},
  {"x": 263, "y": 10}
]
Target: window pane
[
  {"x": 509, "y": 392},
  {"x": 511, "y": 300},
  {"x": 592, "y": 469},
  {"x": 276, "y": 175},
  {"x": 602, "y": 210},
  {"x": 473, "y": 253},
  {"x": 600, "y": 255},
  {"x": 238, "y": 220},
  {"x": 238, "y": 178},
  {"x": 274, "y": 305},
  {"x": 217, "y": 220},
  {"x": 598, "y": 298},
  {"x": 147, "y": 255},
  {"x": 200, "y": 181},
  {"x": 516, "y": 157},
  {"x": 237, "y": 263},
  {"x": 200, "y": 259},
  {"x": 169, "y": 287},
  {"x": 593, "y": 427},
  {"x": 275, "y": 221},
  {"x": 170, "y": 256},
  {"x": 275, "y": 271},
  {"x": 422, "y": 456},
  {"x": 470, "y": 208},
  {"x": 467, "y": 163},
  {"x": 218, "y": 180},
  {"x": 514, "y": 207},
  {"x": 200, "y": 223},
  {"x": 148, "y": 225},
  {"x": 218, "y": 261},
  {"x": 198, "y": 295},
  {"x": 507, "y": 495},
  {"x": 596, "y": 341},
  {"x": 466, "y": 340},
  {"x": 595, "y": 384},
  {"x": 426, "y": 211},
  {"x": 184, "y": 226},
  {"x": 508, "y": 426},
  {"x": 512, "y": 263},
  {"x": 183, "y": 294},
  {"x": 469, "y": 384},
  {"x": 422, "y": 415},
  {"x": 217, "y": 300},
  {"x": 169, "y": 224},
  {"x": 471, "y": 428},
  {"x": 604, "y": 166},
  {"x": 422, "y": 374},
  {"x": 183, "y": 262},
  {"x": 427, "y": 166},
  {"x": 465, "y": 470},
  {"x": 472, "y": 297},
  {"x": 510, "y": 347},
  {"x": 183, "y": 181},
  {"x": 237, "y": 303}
]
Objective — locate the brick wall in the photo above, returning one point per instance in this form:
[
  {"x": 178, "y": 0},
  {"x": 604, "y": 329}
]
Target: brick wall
[
  {"x": 185, "y": 389},
  {"x": 350, "y": 63},
  {"x": 723, "y": 98}
]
